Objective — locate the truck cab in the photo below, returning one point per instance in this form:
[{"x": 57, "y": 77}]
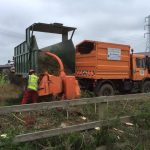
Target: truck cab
[{"x": 140, "y": 71}]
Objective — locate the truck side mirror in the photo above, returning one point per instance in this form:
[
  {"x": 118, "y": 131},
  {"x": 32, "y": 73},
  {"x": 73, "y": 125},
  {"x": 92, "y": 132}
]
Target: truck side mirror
[{"x": 132, "y": 51}]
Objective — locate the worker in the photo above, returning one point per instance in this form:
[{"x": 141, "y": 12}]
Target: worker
[{"x": 32, "y": 88}]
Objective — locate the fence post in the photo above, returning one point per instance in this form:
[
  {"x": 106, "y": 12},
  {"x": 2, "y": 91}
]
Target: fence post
[
  {"x": 95, "y": 105},
  {"x": 102, "y": 107}
]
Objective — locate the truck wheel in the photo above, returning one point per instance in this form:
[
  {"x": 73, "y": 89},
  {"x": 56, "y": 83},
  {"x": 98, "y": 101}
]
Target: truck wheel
[
  {"x": 106, "y": 90},
  {"x": 146, "y": 87}
]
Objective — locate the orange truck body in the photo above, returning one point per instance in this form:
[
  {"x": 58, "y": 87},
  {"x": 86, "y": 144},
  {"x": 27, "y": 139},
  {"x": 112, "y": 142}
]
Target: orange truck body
[
  {"x": 102, "y": 65},
  {"x": 98, "y": 64}
]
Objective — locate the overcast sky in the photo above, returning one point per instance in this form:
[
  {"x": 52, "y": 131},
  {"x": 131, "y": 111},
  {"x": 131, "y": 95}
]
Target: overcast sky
[{"x": 119, "y": 21}]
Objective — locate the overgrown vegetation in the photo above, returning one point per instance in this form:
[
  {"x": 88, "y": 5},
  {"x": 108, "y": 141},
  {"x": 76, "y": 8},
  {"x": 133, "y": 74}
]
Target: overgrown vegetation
[
  {"x": 87, "y": 140},
  {"x": 3, "y": 79},
  {"x": 9, "y": 93},
  {"x": 135, "y": 136}
]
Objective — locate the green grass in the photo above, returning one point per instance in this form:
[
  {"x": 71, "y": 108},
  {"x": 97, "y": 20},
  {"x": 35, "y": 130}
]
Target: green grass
[
  {"x": 3, "y": 79},
  {"x": 89, "y": 140},
  {"x": 9, "y": 94}
]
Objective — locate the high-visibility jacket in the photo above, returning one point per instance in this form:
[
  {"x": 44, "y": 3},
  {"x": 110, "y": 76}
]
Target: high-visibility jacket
[{"x": 33, "y": 82}]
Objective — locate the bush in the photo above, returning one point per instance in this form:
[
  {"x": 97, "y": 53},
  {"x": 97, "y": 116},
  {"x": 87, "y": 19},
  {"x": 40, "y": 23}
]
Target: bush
[
  {"x": 9, "y": 94},
  {"x": 3, "y": 79},
  {"x": 142, "y": 118}
]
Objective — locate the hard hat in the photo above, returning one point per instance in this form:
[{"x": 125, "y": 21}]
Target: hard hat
[
  {"x": 12, "y": 69},
  {"x": 31, "y": 71}
]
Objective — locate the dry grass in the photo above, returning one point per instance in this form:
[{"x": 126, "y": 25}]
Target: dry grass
[{"x": 8, "y": 92}]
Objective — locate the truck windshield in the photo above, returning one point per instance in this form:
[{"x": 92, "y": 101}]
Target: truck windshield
[{"x": 140, "y": 63}]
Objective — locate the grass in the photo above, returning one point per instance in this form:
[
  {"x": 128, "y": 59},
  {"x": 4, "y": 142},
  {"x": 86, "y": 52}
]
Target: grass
[
  {"x": 86, "y": 140},
  {"x": 3, "y": 79},
  {"x": 9, "y": 93}
]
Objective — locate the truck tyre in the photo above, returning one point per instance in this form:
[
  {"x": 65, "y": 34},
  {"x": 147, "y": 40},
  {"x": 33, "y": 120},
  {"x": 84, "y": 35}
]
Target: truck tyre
[
  {"x": 146, "y": 87},
  {"x": 105, "y": 90}
]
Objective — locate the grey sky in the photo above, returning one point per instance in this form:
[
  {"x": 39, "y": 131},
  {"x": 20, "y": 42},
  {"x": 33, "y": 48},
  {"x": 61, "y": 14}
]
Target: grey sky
[{"x": 119, "y": 21}]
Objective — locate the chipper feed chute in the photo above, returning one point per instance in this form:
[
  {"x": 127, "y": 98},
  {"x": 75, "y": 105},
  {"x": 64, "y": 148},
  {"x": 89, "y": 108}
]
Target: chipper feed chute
[{"x": 64, "y": 85}]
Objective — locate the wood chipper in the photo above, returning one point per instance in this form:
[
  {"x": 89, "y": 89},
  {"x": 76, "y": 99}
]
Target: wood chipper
[{"x": 64, "y": 85}]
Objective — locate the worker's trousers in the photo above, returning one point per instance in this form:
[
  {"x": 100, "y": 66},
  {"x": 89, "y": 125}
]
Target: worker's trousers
[{"x": 30, "y": 94}]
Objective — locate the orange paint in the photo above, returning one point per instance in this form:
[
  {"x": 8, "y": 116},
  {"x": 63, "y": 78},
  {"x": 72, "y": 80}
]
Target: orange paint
[
  {"x": 62, "y": 84},
  {"x": 96, "y": 61}
]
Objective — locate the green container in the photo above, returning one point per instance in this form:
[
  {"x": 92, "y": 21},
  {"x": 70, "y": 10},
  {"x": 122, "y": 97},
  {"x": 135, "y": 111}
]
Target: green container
[
  {"x": 65, "y": 51},
  {"x": 27, "y": 55},
  {"x": 26, "y": 58}
]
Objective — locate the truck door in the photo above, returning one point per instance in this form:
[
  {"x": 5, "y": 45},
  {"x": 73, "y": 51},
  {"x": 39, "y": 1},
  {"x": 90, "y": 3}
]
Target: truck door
[{"x": 139, "y": 69}]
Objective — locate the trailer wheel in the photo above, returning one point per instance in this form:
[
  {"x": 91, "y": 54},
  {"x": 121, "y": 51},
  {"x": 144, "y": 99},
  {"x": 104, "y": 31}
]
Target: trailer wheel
[
  {"x": 105, "y": 90},
  {"x": 146, "y": 87}
]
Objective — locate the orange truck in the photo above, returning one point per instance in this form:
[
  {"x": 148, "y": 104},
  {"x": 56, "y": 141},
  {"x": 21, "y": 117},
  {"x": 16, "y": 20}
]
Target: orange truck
[{"x": 107, "y": 68}]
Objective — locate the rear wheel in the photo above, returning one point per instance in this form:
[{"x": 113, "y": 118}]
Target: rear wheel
[
  {"x": 146, "y": 87},
  {"x": 105, "y": 90}
]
